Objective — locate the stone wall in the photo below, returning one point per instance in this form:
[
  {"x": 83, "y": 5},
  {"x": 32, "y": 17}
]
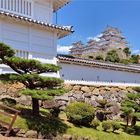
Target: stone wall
[
  {"x": 91, "y": 94},
  {"x": 13, "y": 91}
]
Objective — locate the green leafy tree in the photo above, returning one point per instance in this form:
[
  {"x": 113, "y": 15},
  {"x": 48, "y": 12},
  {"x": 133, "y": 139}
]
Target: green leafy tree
[
  {"x": 99, "y": 57},
  {"x": 127, "y": 51},
  {"x": 135, "y": 59},
  {"x": 28, "y": 72},
  {"x": 112, "y": 56},
  {"x": 131, "y": 108}
]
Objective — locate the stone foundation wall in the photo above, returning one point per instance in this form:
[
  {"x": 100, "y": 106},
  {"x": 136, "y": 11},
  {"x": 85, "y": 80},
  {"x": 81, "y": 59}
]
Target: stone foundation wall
[
  {"x": 89, "y": 94},
  {"x": 13, "y": 91}
]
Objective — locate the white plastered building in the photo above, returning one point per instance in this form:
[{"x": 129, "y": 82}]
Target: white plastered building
[{"x": 27, "y": 26}]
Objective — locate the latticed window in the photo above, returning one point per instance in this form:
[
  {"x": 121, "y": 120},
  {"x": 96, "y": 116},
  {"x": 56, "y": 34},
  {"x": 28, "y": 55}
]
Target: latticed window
[
  {"x": 22, "y": 7},
  {"x": 22, "y": 54}
]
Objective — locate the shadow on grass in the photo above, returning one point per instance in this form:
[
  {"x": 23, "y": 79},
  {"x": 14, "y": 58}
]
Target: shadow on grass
[
  {"x": 117, "y": 133},
  {"x": 135, "y": 130},
  {"x": 44, "y": 123}
]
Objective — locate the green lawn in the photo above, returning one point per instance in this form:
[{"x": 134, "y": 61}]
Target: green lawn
[
  {"x": 61, "y": 125},
  {"x": 98, "y": 134}
]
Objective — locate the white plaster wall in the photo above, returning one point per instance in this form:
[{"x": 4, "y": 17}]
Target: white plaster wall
[
  {"x": 43, "y": 10},
  {"x": 78, "y": 72},
  {"x": 40, "y": 43}
]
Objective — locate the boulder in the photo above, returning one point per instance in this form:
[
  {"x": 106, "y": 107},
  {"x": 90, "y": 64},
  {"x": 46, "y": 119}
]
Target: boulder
[
  {"x": 31, "y": 134},
  {"x": 3, "y": 89},
  {"x": 88, "y": 95},
  {"x": 75, "y": 88},
  {"x": 67, "y": 137},
  {"x": 21, "y": 133},
  {"x": 25, "y": 100},
  {"x": 96, "y": 91},
  {"x": 85, "y": 89},
  {"x": 92, "y": 88},
  {"x": 62, "y": 98},
  {"x": 122, "y": 87},
  {"x": 68, "y": 86}
]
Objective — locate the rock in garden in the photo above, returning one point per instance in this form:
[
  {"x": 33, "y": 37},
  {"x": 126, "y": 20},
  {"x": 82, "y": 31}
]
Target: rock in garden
[
  {"x": 31, "y": 134},
  {"x": 85, "y": 89}
]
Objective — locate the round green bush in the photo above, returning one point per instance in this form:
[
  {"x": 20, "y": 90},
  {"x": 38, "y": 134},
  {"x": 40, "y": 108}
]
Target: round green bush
[
  {"x": 80, "y": 113},
  {"x": 130, "y": 130},
  {"x": 95, "y": 124},
  {"x": 106, "y": 125},
  {"x": 115, "y": 126},
  {"x": 9, "y": 102}
]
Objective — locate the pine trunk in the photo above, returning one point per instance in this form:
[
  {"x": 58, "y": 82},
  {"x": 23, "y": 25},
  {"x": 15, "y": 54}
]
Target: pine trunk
[
  {"x": 133, "y": 121},
  {"x": 35, "y": 107},
  {"x": 127, "y": 121}
]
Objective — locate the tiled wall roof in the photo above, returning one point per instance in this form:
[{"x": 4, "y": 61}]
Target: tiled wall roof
[{"x": 99, "y": 64}]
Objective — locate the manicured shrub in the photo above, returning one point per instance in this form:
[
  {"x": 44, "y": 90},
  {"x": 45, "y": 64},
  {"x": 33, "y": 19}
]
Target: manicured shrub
[
  {"x": 130, "y": 130},
  {"x": 136, "y": 89},
  {"x": 115, "y": 126},
  {"x": 137, "y": 130},
  {"x": 90, "y": 57},
  {"x": 106, "y": 125},
  {"x": 9, "y": 102},
  {"x": 55, "y": 111},
  {"x": 99, "y": 57},
  {"x": 80, "y": 113},
  {"x": 95, "y": 124}
]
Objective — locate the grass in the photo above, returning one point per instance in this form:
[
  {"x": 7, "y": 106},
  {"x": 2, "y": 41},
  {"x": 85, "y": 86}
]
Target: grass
[
  {"x": 61, "y": 125},
  {"x": 97, "y": 134}
]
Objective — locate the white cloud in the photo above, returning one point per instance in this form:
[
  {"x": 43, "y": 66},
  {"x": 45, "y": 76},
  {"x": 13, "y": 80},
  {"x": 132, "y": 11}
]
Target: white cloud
[
  {"x": 90, "y": 38},
  {"x": 63, "y": 49},
  {"x": 96, "y": 38},
  {"x": 136, "y": 51}
]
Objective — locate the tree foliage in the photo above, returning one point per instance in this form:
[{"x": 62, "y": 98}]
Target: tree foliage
[
  {"x": 80, "y": 113},
  {"x": 127, "y": 51},
  {"x": 102, "y": 109},
  {"x": 134, "y": 59},
  {"x": 28, "y": 72},
  {"x": 99, "y": 57},
  {"x": 131, "y": 108},
  {"x": 112, "y": 56}
]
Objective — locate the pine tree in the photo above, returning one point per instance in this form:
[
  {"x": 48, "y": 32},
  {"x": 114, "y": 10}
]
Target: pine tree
[
  {"x": 112, "y": 56},
  {"x": 102, "y": 109},
  {"x": 28, "y": 72},
  {"x": 131, "y": 108},
  {"x": 127, "y": 51}
]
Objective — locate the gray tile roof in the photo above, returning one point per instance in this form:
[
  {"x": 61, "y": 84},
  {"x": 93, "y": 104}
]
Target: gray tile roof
[
  {"x": 57, "y": 4},
  {"x": 67, "y": 29},
  {"x": 99, "y": 64}
]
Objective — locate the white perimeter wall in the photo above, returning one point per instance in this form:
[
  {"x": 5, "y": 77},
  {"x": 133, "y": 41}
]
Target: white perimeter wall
[{"x": 78, "y": 72}]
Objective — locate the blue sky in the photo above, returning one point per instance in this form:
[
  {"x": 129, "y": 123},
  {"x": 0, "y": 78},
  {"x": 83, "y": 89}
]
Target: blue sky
[{"x": 90, "y": 18}]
